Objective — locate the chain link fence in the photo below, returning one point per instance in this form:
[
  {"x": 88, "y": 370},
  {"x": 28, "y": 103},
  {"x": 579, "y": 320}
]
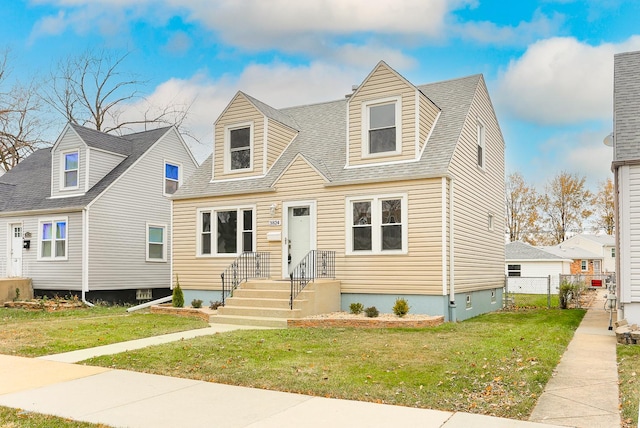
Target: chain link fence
[{"x": 531, "y": 292}]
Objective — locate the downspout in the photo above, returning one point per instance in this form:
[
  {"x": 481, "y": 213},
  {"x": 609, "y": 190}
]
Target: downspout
[
  {"x": 452, "y": 288},
  {"x": 85, "y": 255},
  {"x": 616, "y": 216}
]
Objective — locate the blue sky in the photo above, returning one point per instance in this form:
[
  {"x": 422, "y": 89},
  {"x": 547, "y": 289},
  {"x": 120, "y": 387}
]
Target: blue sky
[{"x": 548, "y": 64}]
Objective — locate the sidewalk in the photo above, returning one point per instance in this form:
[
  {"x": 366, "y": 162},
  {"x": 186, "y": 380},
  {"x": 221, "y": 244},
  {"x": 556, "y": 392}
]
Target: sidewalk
[
  {"x": 584, "y": 389},
  {"x": 583, "y": 393}
]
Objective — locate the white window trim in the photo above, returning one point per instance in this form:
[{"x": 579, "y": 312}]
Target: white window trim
[
  {"x": 481, "y": 138},
  {"x": 376, "y": 225},
  {"x": 164, "y": 175},
  {"x": 214, "y": 230},
  {"x": 584, "y": 263},
  {"x": 164, "y": 243},
  {"x": 365, "y": 126},
  {"x": 52, "y": 220},
  {"x": 63, "y": 156},
  {"x": 227, "y": 147}
]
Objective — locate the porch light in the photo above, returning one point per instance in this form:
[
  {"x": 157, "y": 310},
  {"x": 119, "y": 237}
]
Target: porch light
[{"x": 272, "y": 209}]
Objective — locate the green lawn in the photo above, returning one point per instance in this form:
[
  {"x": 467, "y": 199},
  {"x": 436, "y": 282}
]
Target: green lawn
[
  {"x": 32, "y": 333},
  {"x": 495, "y": 364}
]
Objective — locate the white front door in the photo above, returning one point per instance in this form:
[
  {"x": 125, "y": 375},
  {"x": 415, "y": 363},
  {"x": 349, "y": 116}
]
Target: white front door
[
  {"x": 300, "y": 234},
  {"x": 596, "y": 266},
  {"x": 15, "y": 250}
]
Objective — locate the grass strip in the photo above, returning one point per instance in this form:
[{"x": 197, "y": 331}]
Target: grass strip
[{"x": 14, "y": 418}]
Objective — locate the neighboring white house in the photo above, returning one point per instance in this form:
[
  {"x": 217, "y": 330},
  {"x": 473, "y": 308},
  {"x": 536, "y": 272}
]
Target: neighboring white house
[
  {"x": 528, "y": 262},
  {"x": 92, "y": 214},
  {"x": 626, "y": 170}
]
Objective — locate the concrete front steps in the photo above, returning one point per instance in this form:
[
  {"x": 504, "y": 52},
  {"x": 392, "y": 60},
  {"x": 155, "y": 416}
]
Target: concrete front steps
[{"x": 265, "y": 303}]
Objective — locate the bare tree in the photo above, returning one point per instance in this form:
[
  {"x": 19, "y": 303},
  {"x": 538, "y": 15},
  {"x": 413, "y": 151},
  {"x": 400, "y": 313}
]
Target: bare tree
[
  {"x": 21, "y": 123},
  {"x": 91, "y": 90},
  {"x": 565, "y": 205},
  {"x": 522, "y": 203},
  {"x": 604, "y": 207}
]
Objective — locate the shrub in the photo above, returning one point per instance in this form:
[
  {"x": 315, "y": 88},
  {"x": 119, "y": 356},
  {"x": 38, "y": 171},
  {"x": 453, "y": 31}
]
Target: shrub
[
  {"x": 196, "y": 303},
  {"x": 177, "y": 299},
  {"x": 567, "y": 292},
  {"x": 356, "y": 308},
  {"x": 214, "y": 305},
  {"x": 371, "y": 312},
  {"x": 401, "y": 308}
]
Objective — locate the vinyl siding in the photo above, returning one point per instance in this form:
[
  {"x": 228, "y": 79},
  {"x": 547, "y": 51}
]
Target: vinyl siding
[
  {"x": 100, "y": 164},
  {"x": 630, "y": 238},
  {"x": 428, "y": 114},
  {"x": 418, "y": 272},
  {"x": 479, "y": 252},
  {"x": 118, "y": 221},
  {"x": 60, "y": 275},
  {"x": 279, "y": 137},
  {"x": 68, "y": 142},
  {"x": 240, "y": 110},
  {"x": 382, "y": 83}
]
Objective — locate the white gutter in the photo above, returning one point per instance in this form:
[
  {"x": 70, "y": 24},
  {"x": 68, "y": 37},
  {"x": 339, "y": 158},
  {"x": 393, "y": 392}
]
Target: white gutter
[
  {"x": 85, "y": 256},
  {"x": 452, "y": 285},
  {"x": 151, "y": 303}
]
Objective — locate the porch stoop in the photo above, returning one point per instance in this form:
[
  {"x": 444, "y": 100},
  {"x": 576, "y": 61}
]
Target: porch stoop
[{"x": 266, "y": 303}]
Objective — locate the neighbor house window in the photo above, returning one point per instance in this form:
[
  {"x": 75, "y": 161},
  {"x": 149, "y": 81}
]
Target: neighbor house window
[
  {"x": 377, "y": 224},
  {"x": 613, "y": 252},
  {"x": 382, "y": 128},
  {"x": 481, "y": 144},
  {"x": 156, "y": 243},
  {"x": 514, "y": 270},
  {"x": 584, "y": 265},
  {"x": 226, "y": 231},
  {"x": 238, "y": 147},
  {"x": 70, "y": 170},
  {"x": 53, "y": 239},
  {"x": 171, "y": 178}
]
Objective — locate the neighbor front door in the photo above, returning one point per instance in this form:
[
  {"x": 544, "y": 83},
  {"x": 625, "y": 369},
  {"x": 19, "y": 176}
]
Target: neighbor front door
[{"x": 15, "y": 250}]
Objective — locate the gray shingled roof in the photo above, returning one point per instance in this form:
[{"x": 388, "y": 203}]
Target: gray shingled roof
[
  {"x": 626, "y": 106},
  {"x": 27, "y": 186},
  {"x": 523, "y": 251},
  {"x": 571, "y": 252},
  {"x": 322, "y": 136}
]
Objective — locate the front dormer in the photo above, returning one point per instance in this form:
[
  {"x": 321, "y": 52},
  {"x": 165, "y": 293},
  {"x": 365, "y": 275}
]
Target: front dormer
[
  {"x": 249, "y": 136},
  {"x": 77, "y": 166},
  {"x": 389, "y": 120}
]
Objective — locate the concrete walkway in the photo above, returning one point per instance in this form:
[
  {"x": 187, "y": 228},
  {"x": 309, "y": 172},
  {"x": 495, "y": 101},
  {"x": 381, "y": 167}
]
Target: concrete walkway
[
  {"x": 121, "y": 398},
  {"x": 584, "y": 389}
]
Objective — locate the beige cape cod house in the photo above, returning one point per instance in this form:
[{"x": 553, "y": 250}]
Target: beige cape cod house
[{"x": 396, "y": 191}]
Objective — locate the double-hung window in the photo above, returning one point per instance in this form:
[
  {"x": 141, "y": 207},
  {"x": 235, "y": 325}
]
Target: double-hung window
[
  {"x": 238, "y": 147},
  {"x": 226, "y": 231},
  {"x": 514, "y": 270},
  {"x": 381, "y": 127},
  {"x": 171, "y": 178},
  {"x": 377, "y": 224},
  {"x": 70, "y": 170},
  {"x": 156, "y": 243},
  {"x": 53, "y": 240}
]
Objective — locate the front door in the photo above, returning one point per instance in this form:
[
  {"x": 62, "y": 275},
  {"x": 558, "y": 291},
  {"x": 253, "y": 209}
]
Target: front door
[
  {"x": 299, "y": 234},
  {"x": 15, "y": 250}
]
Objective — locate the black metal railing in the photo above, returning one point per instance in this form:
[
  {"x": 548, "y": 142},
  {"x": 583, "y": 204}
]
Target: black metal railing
[
  {"x": 248, "y": 265},
  {"x": 316, "y": 264}
]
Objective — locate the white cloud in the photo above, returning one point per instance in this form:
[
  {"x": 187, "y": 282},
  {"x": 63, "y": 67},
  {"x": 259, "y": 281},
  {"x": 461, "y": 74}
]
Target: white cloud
[
  {"x": 287, "y": 86},
  {"x": 521, "y": 34},
  {"x": 560, "y": 81}
]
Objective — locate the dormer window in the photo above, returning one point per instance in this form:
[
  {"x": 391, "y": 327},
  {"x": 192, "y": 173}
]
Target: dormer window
[
  {"x": 171, "y": 178},
  {"x": 239, "y": 147},
  {"x": 381, "y": 127},
  {"x": 70, "y": 168}
]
